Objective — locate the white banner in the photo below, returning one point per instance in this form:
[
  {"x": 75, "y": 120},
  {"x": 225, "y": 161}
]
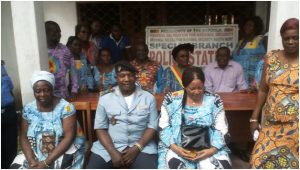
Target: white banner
[{"x": 206, "y": 38}]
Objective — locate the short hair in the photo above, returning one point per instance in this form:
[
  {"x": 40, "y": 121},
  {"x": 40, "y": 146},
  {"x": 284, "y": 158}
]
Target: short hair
[
  {"x": 291, "y": 23},
  {"x": 71, "y": 39},
  {"x": 224, "y": 48},
  {"x": 258, "y": 24},
  {"x": 48, "y": 23},
  {"x": 104, "y": 49},
  {"x": 124, "y": 65},
  {"x": 143, "y": 44},
  {"x": 78, "y": 28},
  {"x": 116, "y": 24},
  {"x": 96, "y": 20}
]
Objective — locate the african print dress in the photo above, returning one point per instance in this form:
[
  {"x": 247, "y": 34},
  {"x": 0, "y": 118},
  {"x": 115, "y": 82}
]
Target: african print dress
[
  {"x": 278, "y": 142},
  {"x": 248, "y": 56},
  {"x": 149, "y": 76},
  {"x": 210, "y": 114},
  {"x": 61, "y": 64},
  {"x": 45, "y": 131}
]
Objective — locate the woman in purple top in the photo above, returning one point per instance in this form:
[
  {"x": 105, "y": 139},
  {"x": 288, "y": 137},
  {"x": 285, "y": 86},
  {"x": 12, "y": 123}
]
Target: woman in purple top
[{"x": 61, "y": 62}]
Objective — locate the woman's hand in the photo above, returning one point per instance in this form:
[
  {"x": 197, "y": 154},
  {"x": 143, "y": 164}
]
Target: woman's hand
[
  {"x": 32, "y": 163},
  {"x": 205, "y": 153},
  {"x": 83, "y": 89},
  {"x": 39, "y": 165},
  {"x": 186, "y": 154},
  {"x": 254, "y": 126},
  {"x": 129, "y": 155},
  {"x": 117, "y": 160}
]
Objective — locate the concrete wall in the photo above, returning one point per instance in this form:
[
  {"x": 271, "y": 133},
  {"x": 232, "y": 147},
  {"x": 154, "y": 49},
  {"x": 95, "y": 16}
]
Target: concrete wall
[
  {"x": 261, "y": 9},
  {"x": 23, "y": 46},
  {"x": 65, "y": 14},
  {"x": 30, "y": 43},
  {"x": 280, "y": 11}
]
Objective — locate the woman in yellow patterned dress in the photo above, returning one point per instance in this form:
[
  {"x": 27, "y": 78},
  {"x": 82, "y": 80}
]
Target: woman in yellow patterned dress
[{"x": 278, "y": 142}]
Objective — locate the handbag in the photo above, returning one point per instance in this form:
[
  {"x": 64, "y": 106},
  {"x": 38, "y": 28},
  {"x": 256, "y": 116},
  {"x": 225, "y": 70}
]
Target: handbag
[{"x": 194, "y": 137}]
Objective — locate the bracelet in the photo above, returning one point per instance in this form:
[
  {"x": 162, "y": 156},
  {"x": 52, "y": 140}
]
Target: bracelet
[
  {"x": 139, "y": 146},
  {"x": 46, "y": 164},
  {"x": 253, "y": 120}
]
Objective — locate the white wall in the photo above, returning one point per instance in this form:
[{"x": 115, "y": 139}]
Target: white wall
[
  {"x": 64, "y": 13},
  {"x": 280, "y": 11},
  {"x": 30, "y": 43},
  {"x": 261, "y": 9}
]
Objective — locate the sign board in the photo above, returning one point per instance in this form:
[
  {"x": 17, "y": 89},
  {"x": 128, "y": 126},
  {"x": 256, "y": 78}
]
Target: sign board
[{"x": 206, "y": 39}]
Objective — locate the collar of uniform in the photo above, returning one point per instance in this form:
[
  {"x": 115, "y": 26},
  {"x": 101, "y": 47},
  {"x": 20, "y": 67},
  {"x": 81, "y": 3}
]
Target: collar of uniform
[
  {"x": 216, "y": 66},
  {"x": 138, "y": 91},
  {"x": 117, "y": 42}
]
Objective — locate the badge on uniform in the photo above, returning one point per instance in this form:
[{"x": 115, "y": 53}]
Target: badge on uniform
[{"x": 113, "y": 120}]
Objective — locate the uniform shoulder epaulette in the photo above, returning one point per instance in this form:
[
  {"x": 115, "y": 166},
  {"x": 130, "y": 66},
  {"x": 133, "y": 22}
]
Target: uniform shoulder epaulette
[{"x": 102, "y": 93}]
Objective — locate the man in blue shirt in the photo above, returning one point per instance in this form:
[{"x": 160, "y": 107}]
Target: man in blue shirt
[
  {"x": 118, "y": 44},
  {"x": 126, "y": 121},
  {"x": 8, "y": 120}
]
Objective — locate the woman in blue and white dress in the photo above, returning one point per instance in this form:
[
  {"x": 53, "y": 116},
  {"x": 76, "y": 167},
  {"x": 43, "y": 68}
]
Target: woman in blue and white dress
[
  {"x": 195, "y": 107},
  {"x": 50, "y": 136},
  {"x": 104, "y": 72},
  {"x": 85, "y": 78}
]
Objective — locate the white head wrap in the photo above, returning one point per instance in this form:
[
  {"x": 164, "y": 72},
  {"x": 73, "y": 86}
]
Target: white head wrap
[{"x": 42, "y": 75}]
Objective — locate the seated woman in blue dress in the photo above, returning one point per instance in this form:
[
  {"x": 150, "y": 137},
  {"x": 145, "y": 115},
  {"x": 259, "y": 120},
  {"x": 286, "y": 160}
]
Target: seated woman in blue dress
[
  {"x": 192, "y": 106},
  {"x": 48, "y": 130}
]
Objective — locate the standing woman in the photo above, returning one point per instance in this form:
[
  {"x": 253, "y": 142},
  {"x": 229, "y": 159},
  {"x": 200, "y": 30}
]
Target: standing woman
[
  {"x": 277, "y": 146},
  {"x": 85, "y": 78},
  {"x": 48, "y": 130},
  {"x": 89, "y": 49},
  {"x": 104, "y": 72},
  {"x": 172, "y": 75},
  {"x": 250, "y": 49},
  {"x": 196, "y": 107}
]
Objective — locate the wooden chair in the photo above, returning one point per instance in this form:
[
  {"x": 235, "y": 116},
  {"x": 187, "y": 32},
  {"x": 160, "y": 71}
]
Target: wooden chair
[{"x": 84, "y": 108}]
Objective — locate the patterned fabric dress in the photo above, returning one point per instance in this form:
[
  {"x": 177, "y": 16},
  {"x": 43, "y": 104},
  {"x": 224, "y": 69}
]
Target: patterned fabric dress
[
  {"x": 149, "y": 75},
  {"x": 170, "y": 81},
  {"x": 45, "y": 131},
  {"x": 85, "y": 78},
  {"x": 61, "y": 64},
  {"x": 106, "y": 79},
  {"x": 210, "y": 114},
  {"x": 258, "y": 72},
  {"x": 248, "y": 56},
  {"x": 278, "y": 142}
]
